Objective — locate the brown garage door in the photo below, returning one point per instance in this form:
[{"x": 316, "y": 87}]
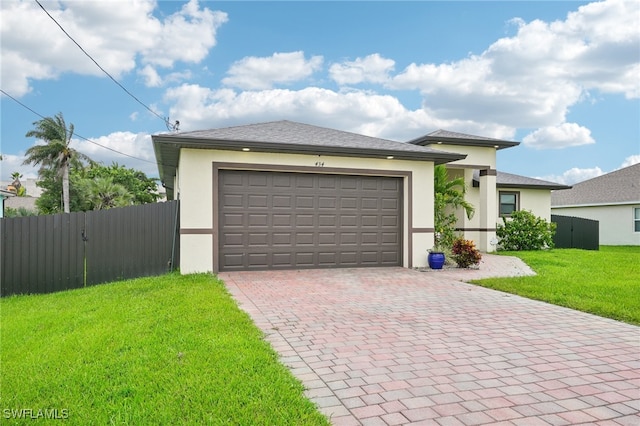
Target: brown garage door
[{"x": 274, "y": 220}]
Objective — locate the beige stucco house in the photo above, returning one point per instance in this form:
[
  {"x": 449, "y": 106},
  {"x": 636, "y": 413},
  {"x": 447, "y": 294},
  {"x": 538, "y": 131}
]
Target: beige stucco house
[
  {"x": 612, "y": 199},
  {"x": 287, "y": 195}
]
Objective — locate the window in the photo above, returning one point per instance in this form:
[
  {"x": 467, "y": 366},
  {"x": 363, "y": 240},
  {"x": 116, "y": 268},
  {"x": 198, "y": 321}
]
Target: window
[
  {"x": 508, "y": 202},
  {"x": 636, "y": 219}
]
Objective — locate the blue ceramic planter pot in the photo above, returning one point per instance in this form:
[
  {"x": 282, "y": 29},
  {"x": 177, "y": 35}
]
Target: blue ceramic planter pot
[{"x": 436, "y": 260}]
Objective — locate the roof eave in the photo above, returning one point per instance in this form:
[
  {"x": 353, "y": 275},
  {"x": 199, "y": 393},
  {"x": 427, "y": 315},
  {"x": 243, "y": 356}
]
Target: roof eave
[
  {"x": 493, "y": 143},
  {"x": 165, "y": 147}
]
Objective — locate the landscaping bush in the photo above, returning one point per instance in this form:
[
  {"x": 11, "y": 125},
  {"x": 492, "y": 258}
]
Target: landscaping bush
[
  {"x": 525, "y": 231},
  {"x": 465, "y": 254}
]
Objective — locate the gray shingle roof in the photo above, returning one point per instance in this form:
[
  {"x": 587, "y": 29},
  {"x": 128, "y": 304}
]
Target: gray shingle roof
[
  {"x": 455, "y": 138},
  {"x": 303, "y": 135},
  {"x": 619, "y": 187},
  {"x": 508, "y": 180},
  {"x": 288, "y": 137}
]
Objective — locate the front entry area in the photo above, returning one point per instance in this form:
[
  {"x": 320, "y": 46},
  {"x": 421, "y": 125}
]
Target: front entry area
[{"x": 286, "y": 220}]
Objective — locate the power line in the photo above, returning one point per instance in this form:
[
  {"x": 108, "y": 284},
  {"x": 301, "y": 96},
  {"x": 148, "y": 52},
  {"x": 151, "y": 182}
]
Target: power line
[
  {"x": 166, "y": 120},
  {"x": 76, "y": 134}
]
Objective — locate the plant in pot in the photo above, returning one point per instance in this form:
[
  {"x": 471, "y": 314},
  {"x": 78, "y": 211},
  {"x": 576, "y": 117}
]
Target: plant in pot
[
  {"x": 436, "y": 256},
  {"x": 448, "y": 197}
]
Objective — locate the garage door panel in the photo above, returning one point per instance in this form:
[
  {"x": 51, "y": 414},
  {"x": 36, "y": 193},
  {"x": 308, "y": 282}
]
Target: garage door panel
[
  {"x": 282, "y": 259},
  {"x": 327, "y": 203},
  {"x": 304, "y": 238},
  {"x": 282, "y": 239},
  {"x": 349, "y": 182},
  {"x": 304, "y": 181},
  {"x": 390, "y": 221},
  {"x": 257, "y": 180},
  {"x": 233, "y": 239},
  {"x": 232, "y": 219},
  {"x": 327, "y": 238},
  {"x": 284, "y": 220},
  {"x": 390, "y": 238},
  {"x": 233, "y": 200},
  {"x": 327, "y": 259},
  {"x": 390, "y": 204},
  {"x": 370, "y": 258},
  {"x": 327, "y": 220},
  {"x": 370, "y": 238},
  {"x": 349, "y": 258},
  {"x": 277, "y": 220},
  {"x": 257, "y": 201},
  {"x": 369, "y": 221},
  {"x": 304, "y": 202},
  {"x": 304, "y": 220},
  {"x": 257, "y": 220},
  {"x": 348, "y": 221},
  {"x": 305, "y": 259},
  {"x": 281, "y": 201}
]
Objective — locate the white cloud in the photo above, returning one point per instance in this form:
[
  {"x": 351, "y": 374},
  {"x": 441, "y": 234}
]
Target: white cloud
[
  {"x": 357, "y": 111},
  {"x": 13, "y": 163},
  {"x": 557, "y": 137},
  {"x": 532, "y": 78},
  {"x": 253, "y": 73},
  {"x": 114, "y": 33},
  {"x": 630, "y": 161},
  {"x": 137, "y": 147},
  {"x": 150, "y": 76},
  {"x": 372, "y": 68},
  {"x": 574, "y": 175}
]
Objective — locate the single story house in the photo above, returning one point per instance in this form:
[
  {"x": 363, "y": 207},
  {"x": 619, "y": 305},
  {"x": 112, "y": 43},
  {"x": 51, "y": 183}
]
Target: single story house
[
  {"x": 612, "y": 199},
  {"x": 287, "y": 195}
]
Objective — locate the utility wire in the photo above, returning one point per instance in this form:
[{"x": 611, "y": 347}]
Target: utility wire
[
  {"x": 76, "y": 134},
  {"x": 166, "y": 120}
]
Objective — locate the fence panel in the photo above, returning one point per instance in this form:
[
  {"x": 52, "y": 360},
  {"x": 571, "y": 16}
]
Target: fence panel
[
  {"x": 576, "y": 232},
  {"x": 44, "y": 254},
  {"x": 40, "y": 254},
  {"x": 130, "y": 242}
]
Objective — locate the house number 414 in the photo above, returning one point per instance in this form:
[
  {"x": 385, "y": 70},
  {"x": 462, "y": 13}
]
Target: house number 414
[{"x": 319, "y": 163}]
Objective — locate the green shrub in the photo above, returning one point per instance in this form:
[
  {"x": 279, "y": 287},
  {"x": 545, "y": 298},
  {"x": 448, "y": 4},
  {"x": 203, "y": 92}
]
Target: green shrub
[
  {"x": 465, "y": 254},
  {"x": 525, "y": 231}
]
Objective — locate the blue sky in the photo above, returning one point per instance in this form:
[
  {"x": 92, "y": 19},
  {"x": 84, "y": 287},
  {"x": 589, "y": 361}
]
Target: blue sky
[{"x": 562, "y": 78}]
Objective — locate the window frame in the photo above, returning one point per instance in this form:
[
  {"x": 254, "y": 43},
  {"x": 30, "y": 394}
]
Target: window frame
[
  {"x": 636, "y": 219},
  {"x": 516, "y": 204}
]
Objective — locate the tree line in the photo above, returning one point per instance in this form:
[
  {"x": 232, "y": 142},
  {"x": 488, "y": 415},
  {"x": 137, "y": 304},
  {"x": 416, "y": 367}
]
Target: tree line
[{"x": 71, "y": 181}]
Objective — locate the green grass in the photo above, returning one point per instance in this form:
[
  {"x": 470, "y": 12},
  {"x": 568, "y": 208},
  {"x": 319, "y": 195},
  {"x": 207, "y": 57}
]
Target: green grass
[
  {"x": 604, "y": 282},
  {"x": 164, "y": 350}
]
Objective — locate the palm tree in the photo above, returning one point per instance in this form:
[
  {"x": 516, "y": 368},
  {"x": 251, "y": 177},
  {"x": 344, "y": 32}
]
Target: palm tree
[
  {"x": 449, "y": 196},
  {"x": 103, "y": 193},
  {"x": 56, "y": 154}
]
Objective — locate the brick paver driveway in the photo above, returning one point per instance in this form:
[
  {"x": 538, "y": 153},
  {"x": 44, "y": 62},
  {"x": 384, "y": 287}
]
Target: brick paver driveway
[{"x": 395, "y": 346}]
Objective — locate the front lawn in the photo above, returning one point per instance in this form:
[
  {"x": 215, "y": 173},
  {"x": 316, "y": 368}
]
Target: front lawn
[
  {"x": 162, "y": 350},
  {"x": 604, "y": 282}
]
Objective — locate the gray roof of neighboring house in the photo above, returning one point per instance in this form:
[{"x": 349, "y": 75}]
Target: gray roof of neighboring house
[
  {"x": 508, "y": 180},
  {"x": 288, "y": 137},
  {"x": 455, "y": 138},
  {"x": 619, "y": 187}
]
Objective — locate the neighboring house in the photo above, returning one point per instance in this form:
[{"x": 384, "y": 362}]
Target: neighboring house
[
  {"x": 287, "y": 195},
  {"x": 612, "y": 199},
  {"x": 4, "y": 194}
]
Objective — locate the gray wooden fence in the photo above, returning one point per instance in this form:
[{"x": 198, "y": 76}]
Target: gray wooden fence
[
  {"x": 44, "y": 254},
  {"x": 576, "y": 232}
]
